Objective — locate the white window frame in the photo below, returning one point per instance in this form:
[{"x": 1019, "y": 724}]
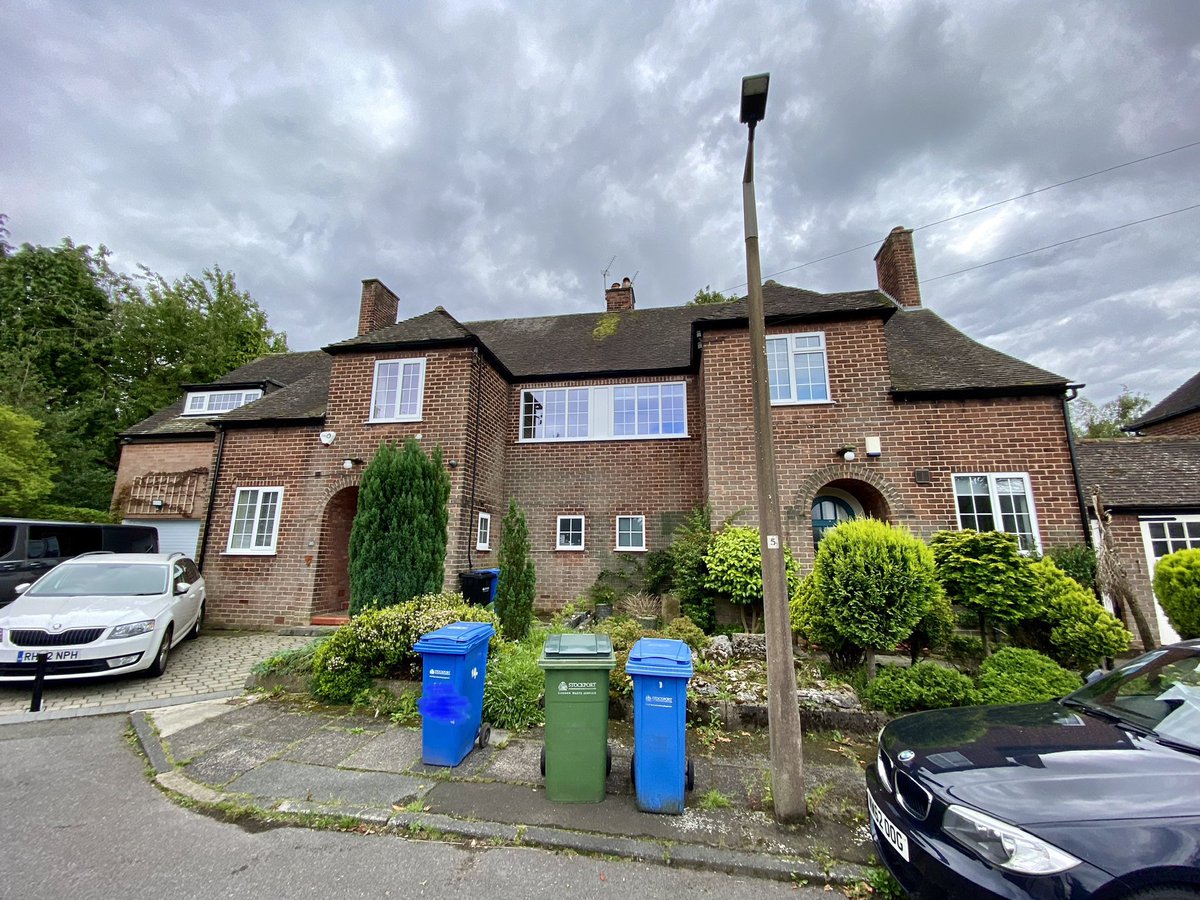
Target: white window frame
[
  {"x": 483, "y": 532},
  {"x": 396, "y": 415},
  {"x": 262, "y": 549},
  {"x": 558, "y": 533},
  {"x": 791, "y": 351},
  {"x": 996, "y": 513},
  {"x": 1166, "y": 631},
  {"x": 601, "y": 412},
  {"x": 206, "y": 398},
  {"x": 618, "y": 548}
]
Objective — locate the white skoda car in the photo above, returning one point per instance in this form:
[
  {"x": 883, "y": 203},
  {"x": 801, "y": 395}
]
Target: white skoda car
[{"x": 102, "y": 614}]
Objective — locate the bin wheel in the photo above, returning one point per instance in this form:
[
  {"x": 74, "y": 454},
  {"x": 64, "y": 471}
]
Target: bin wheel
[
  {"x": 543, "y": 762},
  {"x": 485, "y": 735},
  {"x": 689, "y": 780},
  {"x": 633, "y": 772},
  {"x": 607, "y": 760}
]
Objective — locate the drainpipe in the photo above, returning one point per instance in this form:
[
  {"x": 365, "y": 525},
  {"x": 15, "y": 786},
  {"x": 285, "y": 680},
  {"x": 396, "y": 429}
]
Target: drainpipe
[
  {"x": 474, "y": 462},
  {"x": 1072, "y": 393},
  {"x": 212, "y": 493}
]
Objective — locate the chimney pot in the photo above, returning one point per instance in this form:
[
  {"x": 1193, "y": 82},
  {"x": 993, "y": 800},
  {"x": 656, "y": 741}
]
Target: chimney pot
[
  {"x": 619, "y": 297},
  {"x": 896, "y": 268}
]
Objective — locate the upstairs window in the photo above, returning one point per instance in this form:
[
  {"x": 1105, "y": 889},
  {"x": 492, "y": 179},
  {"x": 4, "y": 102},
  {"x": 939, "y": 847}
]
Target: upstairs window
[
  {"x": 604, "y": 412},
  {"x": 399, "y": 390},
  {"x": 213, "y": 403},
  {"x": 998, "y": 502},
  {"x": 255, "y": 525},
  {"x": 797, "y": 368}
]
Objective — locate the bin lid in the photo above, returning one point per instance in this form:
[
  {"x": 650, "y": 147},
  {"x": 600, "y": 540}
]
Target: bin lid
[
  {"x": 577, "y": 651},
  {"x": 660, "y": 657},
  {"x": 457, "y": 637}
]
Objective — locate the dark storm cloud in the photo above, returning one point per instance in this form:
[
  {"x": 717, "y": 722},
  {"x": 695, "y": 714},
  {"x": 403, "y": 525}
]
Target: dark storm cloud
[{"x": 492, "y": 158}]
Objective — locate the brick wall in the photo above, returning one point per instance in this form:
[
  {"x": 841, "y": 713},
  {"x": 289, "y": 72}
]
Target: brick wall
[
  {"x": 1131, "y": 550},
  {"x": 600, "y": 480},
  {"x": 174, "y": 457},
  {"x": 1187, "y": 425},
  {"x": 943, "y": 437}
]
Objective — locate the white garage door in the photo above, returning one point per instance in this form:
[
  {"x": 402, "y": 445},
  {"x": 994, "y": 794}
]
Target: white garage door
[{"x": 174, "y": 535}]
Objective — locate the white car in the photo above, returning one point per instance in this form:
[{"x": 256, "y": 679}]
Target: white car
[{"x": 102, "y": 614}]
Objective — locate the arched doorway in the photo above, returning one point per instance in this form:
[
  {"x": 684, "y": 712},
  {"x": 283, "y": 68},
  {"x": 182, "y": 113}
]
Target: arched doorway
[
  {"x": 331, "y": 592},
  {"x": 842, "y": 500}
]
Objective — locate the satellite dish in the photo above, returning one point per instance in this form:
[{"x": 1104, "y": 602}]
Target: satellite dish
[{"x": 327, "y": 437}]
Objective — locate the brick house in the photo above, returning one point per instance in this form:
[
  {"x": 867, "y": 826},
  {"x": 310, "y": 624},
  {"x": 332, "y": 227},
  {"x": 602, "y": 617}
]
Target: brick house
[
  {"x": 607, "y": 428},
  {"x": 1150, "y": 485}
]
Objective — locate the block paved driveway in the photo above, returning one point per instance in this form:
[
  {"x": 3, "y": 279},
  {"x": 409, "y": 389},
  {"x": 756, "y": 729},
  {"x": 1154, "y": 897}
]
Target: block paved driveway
[{"x": 215, "y": 664}]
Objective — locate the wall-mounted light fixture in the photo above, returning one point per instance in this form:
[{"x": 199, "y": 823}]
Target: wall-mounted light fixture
[
  {"x": 846, "y": 453},
  {"x": 351, "y": 463},
  {"x": 156, "y": 503},
  {"x": 453, "y": 464}
]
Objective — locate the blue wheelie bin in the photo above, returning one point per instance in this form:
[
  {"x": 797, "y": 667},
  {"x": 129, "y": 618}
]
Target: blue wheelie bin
[
  {"x": 454, "y": 665},
  {"x": 661, "y": 771}
]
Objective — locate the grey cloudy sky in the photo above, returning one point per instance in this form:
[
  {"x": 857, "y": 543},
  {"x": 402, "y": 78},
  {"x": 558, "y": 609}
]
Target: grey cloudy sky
[{"x": 492, "y": 157}]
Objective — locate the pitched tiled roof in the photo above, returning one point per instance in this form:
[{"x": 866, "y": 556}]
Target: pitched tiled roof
[
  {"x": 435, "y": 326},
  {"x": 928, "y": 355},
  {"x": 1151, "y": 472},
  {"x": 289, "y": 379},
  {"x": 1184, "y": 399}
]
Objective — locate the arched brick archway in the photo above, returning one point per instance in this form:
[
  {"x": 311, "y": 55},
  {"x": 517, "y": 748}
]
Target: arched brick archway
[
  {"x": 871, "y": 493},
  {"x": 331, "y": 589}
]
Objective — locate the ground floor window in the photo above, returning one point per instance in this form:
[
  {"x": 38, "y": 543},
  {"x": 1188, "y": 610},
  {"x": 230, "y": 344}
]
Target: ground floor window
[
  {"x": 998, "y": 502},
  {"x": 631, "y": 532},
  {"x": 570, "y": 533},
  {"x": 483, "y": 534},
  {"x": 255, "y": 524}
]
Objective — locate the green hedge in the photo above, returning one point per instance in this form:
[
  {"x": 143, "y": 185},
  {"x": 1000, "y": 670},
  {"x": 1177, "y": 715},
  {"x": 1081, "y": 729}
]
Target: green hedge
[
  {"x": 925, "y": 685},
  {"x": 1014, "y": 675}
]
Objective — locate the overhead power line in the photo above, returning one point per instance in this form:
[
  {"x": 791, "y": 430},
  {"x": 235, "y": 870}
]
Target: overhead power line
[
  {"x": 993, "y": 205},
  {"x": 1073, "y": 240}
]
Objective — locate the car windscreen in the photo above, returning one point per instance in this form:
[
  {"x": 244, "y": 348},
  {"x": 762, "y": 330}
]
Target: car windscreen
[
  {"x": 1158, "y": 692},
  {"x": 107, "y": 579}
]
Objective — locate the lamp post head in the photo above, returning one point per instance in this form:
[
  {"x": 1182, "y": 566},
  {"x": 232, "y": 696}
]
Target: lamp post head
[{"x": 754, "y": 98}]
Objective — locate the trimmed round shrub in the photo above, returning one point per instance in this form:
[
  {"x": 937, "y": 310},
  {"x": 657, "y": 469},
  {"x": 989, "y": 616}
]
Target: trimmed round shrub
[
  {"x": 379, "y": 643},
  {"x": 1016, "y": 675},
  {"x": 1177, "y": 586},
  {"x": 684, "y": 629},
  {"x": 1079, "y": 631},
  {"x": 925, "y": 685},
  {"x": 809, "y": 623}
]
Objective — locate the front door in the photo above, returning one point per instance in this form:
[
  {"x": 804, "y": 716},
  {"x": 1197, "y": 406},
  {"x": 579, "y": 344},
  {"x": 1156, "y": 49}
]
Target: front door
[{"x": 827, "y": 512}]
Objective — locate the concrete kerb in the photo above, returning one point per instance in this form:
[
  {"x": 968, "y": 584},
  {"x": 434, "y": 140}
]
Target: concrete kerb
[
  {"x": 112, "y": 709},
  {"x": 733, "y": 862}
]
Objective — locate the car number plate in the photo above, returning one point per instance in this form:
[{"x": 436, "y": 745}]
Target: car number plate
[
  {"x": 893, "y": 835},
  {"x": 27, "y": 656}
]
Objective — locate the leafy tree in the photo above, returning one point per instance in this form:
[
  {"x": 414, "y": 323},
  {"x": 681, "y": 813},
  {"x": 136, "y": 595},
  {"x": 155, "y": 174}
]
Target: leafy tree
[
  {"x": 1077, "y": 561},
  {"x": 1177, "y": 586},
  {"x": 985, "y": 572},
  {"x": 689, "y": 570},
  {"x": 734, "y": 570},
  {"x": 26, "y": 463},
  {"x": 1068, "y": 623},
  {"x": 872, "y": 583},
  {"x": 518, "y": 577},
  {"x": 706, "y": 296},
  {"x": 398, "y": 540},
  {"x": 1107, "y": 419}
]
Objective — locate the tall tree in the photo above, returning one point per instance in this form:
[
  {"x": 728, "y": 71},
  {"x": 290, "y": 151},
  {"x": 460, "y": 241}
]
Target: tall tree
[
  {"x": 1107, "y": 419},
  {"x": 26, "y": 463},
  {"x": 706, "y": 296},
  {"x": 518, "y": 577}
]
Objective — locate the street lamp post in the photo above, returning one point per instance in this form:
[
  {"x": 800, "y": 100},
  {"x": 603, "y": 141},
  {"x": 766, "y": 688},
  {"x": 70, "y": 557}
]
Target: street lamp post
[{"x": 783, "y": 714}]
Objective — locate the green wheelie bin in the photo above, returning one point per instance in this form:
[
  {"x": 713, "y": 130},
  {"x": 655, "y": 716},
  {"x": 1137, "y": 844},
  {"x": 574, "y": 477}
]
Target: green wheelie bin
[{"x": 575, "y": 758}]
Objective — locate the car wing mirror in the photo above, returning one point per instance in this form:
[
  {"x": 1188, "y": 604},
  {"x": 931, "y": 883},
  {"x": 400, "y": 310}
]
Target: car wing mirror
[
  {"x": 22, "y": 588},
  {"x": 182, "y": 587}
]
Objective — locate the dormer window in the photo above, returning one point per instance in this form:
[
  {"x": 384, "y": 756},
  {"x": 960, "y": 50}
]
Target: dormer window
[{"x": 213, "y": 403}]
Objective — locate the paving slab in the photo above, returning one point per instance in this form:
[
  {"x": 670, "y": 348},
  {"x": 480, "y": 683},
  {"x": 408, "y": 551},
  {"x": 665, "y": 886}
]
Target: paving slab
[
  {"x": 392, "y": 751},
  {"x": 233, "y": 758},
  {"x": 327, "y": 746},
  {"x": 279, "y": 779}
]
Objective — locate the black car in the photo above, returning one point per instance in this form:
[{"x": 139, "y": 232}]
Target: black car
[{"x": 1096, "y": 795}]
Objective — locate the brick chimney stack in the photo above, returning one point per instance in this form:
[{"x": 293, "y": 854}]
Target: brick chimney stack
[
  {"x": 896, "y": 268},
  {"x": 378, "y": 308},
  {"x": 619, "y": 297}
]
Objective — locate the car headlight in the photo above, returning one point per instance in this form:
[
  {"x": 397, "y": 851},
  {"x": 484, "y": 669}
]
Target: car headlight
[
  {"x": 132, "y": 629},
  {"x": 1005, "y": 845}
]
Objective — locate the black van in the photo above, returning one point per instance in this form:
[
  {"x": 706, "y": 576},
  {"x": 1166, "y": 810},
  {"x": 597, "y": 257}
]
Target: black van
[{"x": 29, "y": 548}]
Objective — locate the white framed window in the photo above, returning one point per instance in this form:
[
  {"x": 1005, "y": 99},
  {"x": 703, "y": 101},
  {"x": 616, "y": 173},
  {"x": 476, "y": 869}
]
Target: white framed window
[
  {"x": 1161, "y": 536},
  {"x": 998, "y": 502},
  {"x": 255, "y": 525},
  {"x": 797, "y": 368},
  {"x": 210, "y": 403},
  {"x": 631, "y": 533},
  {"x": 483, "y": 532},
  {"x": 399, "y": 390},
  {"x": 604, "y": 412},
  {"x": 570, "y": 533}
]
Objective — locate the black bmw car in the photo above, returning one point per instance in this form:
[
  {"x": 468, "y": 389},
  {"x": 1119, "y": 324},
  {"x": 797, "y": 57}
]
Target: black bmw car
[{"x": 1096, "y": 795}]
